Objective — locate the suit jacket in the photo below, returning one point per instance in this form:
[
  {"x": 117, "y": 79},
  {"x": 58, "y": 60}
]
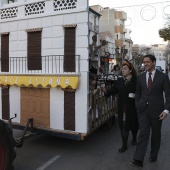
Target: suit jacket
[{"x": 154, "y": 99}]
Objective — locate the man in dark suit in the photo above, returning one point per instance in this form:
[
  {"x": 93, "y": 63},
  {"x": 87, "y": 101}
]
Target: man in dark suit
[{"x": 152, "y": 87}]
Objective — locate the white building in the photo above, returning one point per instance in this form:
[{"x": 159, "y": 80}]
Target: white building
[
  {"x": 128, "y": 44},
  {"x": 158, "y": 50}
]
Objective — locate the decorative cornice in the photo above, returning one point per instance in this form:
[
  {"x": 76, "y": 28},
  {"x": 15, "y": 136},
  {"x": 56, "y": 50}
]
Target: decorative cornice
[
  {"x": 70, "y": 25},
  {"x": 33, "y": 30},
  {"x": 4, "y": 33}
]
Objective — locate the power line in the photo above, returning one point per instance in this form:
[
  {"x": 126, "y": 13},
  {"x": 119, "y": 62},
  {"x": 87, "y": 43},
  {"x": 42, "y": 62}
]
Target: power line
[{"x": 142, "y": 4}]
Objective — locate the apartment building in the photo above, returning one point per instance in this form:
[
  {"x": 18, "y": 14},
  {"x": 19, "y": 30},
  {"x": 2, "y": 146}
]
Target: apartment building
[{"x": 112, "y": 28}]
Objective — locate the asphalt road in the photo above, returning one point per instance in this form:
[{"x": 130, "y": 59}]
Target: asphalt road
[{"x": 98, "y": 152}]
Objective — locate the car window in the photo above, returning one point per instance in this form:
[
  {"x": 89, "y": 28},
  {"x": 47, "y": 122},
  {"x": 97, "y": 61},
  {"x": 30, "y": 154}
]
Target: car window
[{"x": 158, "y": 68}]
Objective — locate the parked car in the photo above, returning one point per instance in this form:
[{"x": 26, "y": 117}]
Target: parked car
[{"x": 159, "y": 68}]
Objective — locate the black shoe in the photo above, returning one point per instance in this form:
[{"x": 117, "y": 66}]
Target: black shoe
[
  {"x": 152, "y": 159},
  {"x": 123, "y": 149},
  {"x": 134, "y": 142},
  {"x": 137, "y": 163}
]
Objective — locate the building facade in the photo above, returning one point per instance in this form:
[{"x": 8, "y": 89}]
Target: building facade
[{"x": 112, "y": 28}]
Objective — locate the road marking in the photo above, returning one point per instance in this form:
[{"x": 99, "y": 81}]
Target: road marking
[{"x": 51, "y": 161}]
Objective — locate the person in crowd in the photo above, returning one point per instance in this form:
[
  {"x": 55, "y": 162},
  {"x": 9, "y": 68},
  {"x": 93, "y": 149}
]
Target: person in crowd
[
  {"x": 151, "y": 108},
  {"x": 169, "y": 74},
  {"x": 92, "y": 82},
  {"x": 125, "y": 88},
  {"x": 93, "y": 70},
  {"x": 116, "y": 70},
  {"x": 100, "y": 71}
]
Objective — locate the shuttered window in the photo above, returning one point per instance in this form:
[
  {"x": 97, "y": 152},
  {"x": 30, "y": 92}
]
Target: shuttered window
[
  {"x": 69, "y": 49},
  {"x": 5, "y": 102},
  {"x": 34, "y": 51},
  {"x": 69, "y": 110},
  {"x": 5, "y": 53}
]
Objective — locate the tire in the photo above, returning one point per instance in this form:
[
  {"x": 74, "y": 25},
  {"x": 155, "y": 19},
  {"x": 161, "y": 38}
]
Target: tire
[{"x": 7, "y": 144}]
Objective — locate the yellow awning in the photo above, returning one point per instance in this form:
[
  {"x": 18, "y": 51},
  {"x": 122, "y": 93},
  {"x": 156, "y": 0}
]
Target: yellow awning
[{"x": 44, "y": 81}]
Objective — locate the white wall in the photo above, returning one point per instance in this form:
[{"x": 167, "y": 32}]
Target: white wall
[
  {"x": 56, "y": 108},
  {"x": 15, "y": 103}
]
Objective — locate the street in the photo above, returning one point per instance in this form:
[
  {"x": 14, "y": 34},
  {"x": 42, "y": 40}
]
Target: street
[{"x": 98, "y": 152}]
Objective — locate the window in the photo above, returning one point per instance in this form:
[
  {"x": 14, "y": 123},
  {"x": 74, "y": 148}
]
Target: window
[
  {"x": 69, "y": 49},
  {"x": 34, "y": 51},
  {"x": 5, "y": 52}
]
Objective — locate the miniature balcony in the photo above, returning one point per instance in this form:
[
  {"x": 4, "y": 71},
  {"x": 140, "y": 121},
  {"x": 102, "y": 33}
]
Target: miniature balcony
[{"x": 54, "y": 64}]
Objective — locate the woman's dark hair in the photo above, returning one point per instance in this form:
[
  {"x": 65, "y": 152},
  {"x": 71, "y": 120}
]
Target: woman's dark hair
[
  {"x": 151, "y": 57},
  {"x": 116, "y": 66},
  {"x": 130, "y": 66}
]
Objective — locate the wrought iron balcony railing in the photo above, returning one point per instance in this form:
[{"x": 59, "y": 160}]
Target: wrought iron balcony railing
[{"x": 53, "y": 64}]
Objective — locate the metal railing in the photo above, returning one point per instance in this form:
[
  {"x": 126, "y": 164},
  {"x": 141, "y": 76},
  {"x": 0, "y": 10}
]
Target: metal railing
[
  {"x": 101, "y": 109},
  {"x": 53, "y": 64}
]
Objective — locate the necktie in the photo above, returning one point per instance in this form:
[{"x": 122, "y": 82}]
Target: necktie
[{"x": 149, "y": 82}]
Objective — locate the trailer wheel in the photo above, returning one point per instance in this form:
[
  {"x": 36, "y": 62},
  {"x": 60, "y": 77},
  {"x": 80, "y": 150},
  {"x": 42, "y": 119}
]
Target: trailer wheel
[{"x": 7, "y": 144}]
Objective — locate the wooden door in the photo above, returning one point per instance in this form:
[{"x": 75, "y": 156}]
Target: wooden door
[{"x": 35, "y": 103}]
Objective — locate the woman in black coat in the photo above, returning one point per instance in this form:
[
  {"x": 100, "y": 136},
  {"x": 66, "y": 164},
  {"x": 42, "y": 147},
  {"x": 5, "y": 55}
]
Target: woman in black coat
[{"x": 127, "y": 115}]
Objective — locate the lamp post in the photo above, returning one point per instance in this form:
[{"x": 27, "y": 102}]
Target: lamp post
[{"x": 121, "y": 52}]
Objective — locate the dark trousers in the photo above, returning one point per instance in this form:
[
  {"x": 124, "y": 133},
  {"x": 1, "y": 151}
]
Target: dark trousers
[
  {"x": 146, "y": 123},
  {"x": 125, "y": 135}
]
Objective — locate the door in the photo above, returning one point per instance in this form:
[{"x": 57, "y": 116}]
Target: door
[{"x": 35, "y": 103}]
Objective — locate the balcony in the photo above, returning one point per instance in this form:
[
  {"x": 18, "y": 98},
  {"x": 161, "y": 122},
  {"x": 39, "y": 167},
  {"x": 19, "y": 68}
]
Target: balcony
[
  {"x": 91, "y": 26},
  {"x": 119, "y": 43},
  {"x": 53, "y": 64},
  {"x": 96, "y": 29},
  {"x": 121, "y": 15},
  {"x": 119, "y": 29}
]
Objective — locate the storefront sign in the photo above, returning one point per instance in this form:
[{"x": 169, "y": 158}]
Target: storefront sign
[{"x": 44, "y": 81}]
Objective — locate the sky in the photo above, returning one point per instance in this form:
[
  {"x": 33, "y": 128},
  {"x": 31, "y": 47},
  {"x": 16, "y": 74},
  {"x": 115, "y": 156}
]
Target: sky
[{"x": 144, "y": 17}]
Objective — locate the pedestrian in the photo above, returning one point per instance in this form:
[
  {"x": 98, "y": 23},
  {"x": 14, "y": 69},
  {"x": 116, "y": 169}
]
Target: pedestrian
[
  {"x": 127, "y": 115},
  {"x": 169, "y": 74},
  {"x": 92, "y": 82},
  {"x": 116, "y": 70},
  {"x": 151, "y": 109}
]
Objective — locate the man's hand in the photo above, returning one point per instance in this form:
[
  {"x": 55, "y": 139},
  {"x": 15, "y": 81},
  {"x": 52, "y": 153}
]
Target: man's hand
[{"x": 162, "y": 116}]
